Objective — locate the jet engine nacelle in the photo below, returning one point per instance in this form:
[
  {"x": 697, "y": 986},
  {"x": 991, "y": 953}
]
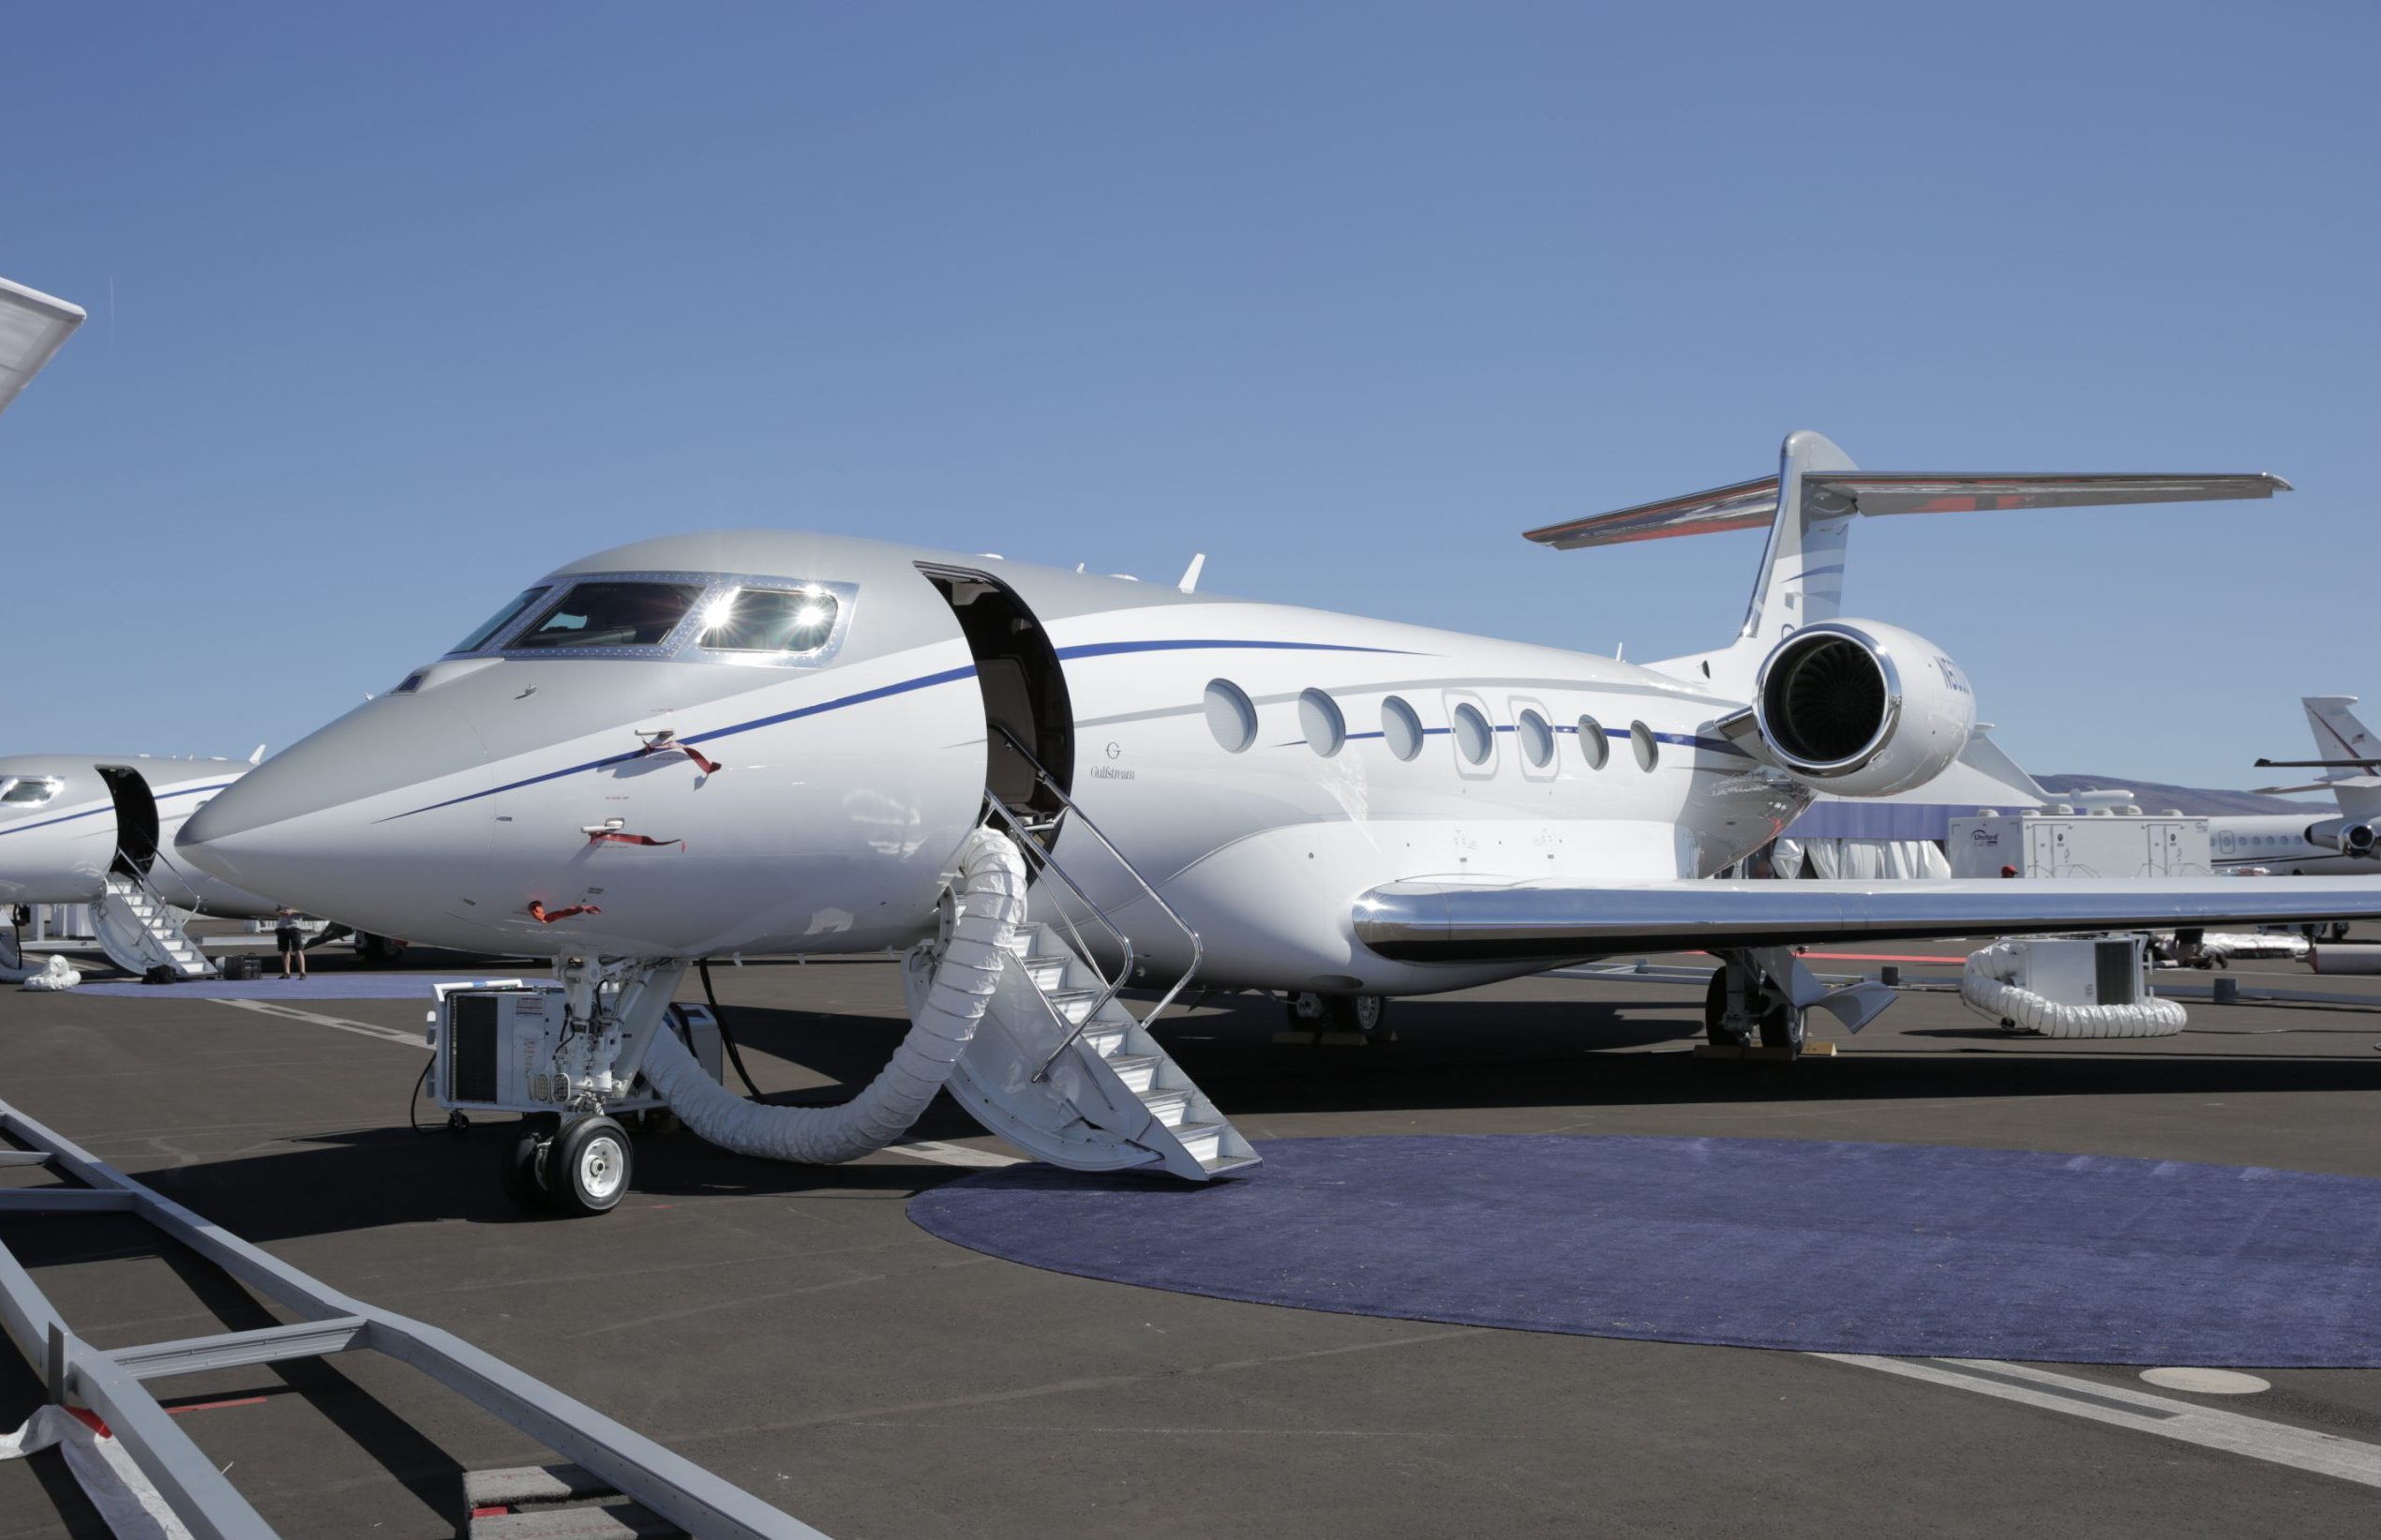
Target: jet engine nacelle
[
  {"x": 1858, "y": 708},
  {"x": 2349, "y": 836}
]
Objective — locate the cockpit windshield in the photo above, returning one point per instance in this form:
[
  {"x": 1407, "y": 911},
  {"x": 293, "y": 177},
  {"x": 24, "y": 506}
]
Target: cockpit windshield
[
  {"x": 610, "y": 614},
  {"x": 27, "y": 791},
  {"x": 770, "y": 620},
  {"x": 499, "y": 620}
]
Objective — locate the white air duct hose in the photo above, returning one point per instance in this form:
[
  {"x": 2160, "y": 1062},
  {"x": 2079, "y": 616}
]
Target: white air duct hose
[
  {"x": 992, "y": 899},
  {"x": 1985, "y": 987}
]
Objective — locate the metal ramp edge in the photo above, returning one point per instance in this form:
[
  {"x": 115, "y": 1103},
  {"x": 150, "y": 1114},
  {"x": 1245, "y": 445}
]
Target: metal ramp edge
[
  {"x": 138, "y": 931},
  {"x": 109, "y": 1383}
]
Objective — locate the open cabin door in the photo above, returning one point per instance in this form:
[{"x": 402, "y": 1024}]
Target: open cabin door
[
  {"x": 1024, "y": 693},
  {"x": 136, "y": 820}
]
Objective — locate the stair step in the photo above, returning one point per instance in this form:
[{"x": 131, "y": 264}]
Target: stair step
[
  {"x": 1074, "y": 1005},
  {"x": 1022, "y": 939},
  {"x": 1203, "y": 1141},
  {"x": 1047, "y": 973},
  {"x": 1139, "y": 1071},
  {"x": 1102, "y": 1039},
  {"x": 1171, "y": 1106},
  {"x": 1221, "y": 1163}
]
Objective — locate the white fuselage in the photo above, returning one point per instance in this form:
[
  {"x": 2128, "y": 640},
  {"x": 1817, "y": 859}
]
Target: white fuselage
[
  {"x": 2279, "y": 844},
  {"x": 62, "y": 826},
  {"x": 487, "y": 784}
]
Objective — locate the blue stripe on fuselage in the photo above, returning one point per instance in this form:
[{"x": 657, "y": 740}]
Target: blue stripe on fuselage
[{"x": 1082, "y": 649}]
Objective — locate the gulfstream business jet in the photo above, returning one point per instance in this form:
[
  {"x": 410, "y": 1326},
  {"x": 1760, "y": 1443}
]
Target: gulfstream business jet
[{"x": 1043, "y": 785}]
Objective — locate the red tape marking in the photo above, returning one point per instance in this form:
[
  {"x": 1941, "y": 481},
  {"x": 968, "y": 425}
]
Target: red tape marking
[
  {"x": 216, "y": 1406},
  {"x": 538, "y": 912},
  {"x": 90, "y": 1419},
  {"x": 664, "y": 743},
  {"x": 603, "y": 836}
]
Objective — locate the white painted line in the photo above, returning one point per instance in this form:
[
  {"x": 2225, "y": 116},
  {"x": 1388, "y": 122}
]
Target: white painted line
[
  {"x": 2207, "y": 1381},
  {"x": 2119, "y": 1406},
  {"x": 274, "y": 1008},
  {"x": 952, "y": 1155}
]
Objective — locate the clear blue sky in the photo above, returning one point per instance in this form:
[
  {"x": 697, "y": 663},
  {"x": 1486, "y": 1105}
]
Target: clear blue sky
[{"x": 392, "y": 310}]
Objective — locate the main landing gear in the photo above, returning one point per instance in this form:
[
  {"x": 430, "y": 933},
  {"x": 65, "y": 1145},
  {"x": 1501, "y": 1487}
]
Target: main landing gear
[
  {"x": 1765, "y": 993},
  {"x": 1742, "y": 1002},
  {"x": 577, "y": 1168},
  {"x": 1337, "y": 1018}
]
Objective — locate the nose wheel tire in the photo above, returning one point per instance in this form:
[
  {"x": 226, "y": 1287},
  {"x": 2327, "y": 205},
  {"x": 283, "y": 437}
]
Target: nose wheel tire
[
  {"x": 523, "y": 1172},
  {"x": 588, "y": 1167}
]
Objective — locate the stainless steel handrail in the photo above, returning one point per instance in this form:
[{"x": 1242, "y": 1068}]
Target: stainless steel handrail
[
  {"x": 1050, "y": 863},
  {"x": 1198, "y": 949}
]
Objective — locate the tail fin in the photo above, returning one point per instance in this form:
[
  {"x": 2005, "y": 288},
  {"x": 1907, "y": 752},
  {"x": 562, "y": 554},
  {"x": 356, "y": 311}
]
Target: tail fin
[
  {"x": 2347, "y": 753},
  {"x": 1809, "y": 506},
  {"x": 2340, "y": 737}
]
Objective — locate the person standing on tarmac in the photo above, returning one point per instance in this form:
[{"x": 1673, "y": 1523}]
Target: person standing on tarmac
[{"x": 291, "y": 940}]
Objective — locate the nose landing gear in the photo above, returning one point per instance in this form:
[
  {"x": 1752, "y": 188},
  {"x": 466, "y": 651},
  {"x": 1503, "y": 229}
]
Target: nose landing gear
[{"x": 577, "y": 1168}]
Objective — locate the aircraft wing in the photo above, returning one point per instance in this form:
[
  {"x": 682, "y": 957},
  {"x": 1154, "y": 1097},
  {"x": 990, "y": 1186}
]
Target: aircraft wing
[
  {"x": 32, "y": 327},
  {"x": 1452, "y": 922}
]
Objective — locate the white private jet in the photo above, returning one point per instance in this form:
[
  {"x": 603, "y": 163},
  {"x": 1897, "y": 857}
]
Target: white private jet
[
  {"x": 2350, "y": 840},
  {"x": 79, "y": 829},
  {"x": 769, "y": 741}
]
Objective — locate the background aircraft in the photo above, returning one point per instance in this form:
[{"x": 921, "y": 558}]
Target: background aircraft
[{"x": 2349, "y": 841}]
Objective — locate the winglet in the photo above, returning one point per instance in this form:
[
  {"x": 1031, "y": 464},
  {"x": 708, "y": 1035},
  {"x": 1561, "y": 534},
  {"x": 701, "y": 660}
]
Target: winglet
[
  {"x": 257, "y": 757},
  {"x": 1190, "y": 574}
]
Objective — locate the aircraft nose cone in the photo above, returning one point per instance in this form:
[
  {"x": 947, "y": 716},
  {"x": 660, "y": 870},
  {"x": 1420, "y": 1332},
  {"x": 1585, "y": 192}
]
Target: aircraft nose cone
[{"x": 319, "y": 826}]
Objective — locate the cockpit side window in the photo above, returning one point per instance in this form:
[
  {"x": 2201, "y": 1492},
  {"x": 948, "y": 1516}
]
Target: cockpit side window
[
  {"x": 770, "y": 620},
  {"x": 27, "y": 791},
  {"x": 498, "y": 622},
  {"x": 610, "y": 614}
]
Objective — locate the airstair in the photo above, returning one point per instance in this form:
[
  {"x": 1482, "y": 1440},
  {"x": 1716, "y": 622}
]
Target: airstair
[
  {"x": 138, "y": 931},
  {"x": 1058, "y": 1067}
]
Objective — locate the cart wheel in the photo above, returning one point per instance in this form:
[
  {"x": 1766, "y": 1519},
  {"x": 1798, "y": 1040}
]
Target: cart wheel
[
  {"x": 587, "y": 1171},
  {"x": 457, "y": 1123},
  {"x": 524, "y": 1177}
]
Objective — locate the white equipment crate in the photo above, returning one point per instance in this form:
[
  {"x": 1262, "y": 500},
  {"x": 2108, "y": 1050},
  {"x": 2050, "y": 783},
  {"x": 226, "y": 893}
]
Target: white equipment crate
[{"x": 494, "y": 1045}]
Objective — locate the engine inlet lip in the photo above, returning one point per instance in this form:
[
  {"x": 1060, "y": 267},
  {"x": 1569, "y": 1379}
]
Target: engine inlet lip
[{"x": 1878, "y": 655}]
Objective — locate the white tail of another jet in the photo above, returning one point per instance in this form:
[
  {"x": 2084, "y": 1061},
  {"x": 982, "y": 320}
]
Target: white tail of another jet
[{"x": 2347, "y": 753}]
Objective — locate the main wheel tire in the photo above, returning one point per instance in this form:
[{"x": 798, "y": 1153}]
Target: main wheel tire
[
  {"x": 1782, "y": 1028},
  {"x": 523, "y": 1174},
  {"x": 1715, "y": 1012},
  {"x": 588, "y": 1169},
  {"x": 1365, "y": 1013},
  {"x": 1305, "y": 1011}
]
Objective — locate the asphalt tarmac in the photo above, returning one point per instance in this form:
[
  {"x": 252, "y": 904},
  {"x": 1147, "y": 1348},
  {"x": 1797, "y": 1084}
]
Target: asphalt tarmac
[{"x": 789, "y": 1328}]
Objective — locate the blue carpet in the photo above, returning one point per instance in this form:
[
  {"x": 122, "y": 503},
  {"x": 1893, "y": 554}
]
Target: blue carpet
[
  {"x": 1902, "y": 1250},
  {"x": 328, "y": 986}
]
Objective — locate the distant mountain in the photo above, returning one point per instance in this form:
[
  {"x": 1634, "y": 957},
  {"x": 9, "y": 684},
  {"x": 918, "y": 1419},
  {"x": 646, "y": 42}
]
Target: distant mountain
[{"x": 2156, "y": 797}]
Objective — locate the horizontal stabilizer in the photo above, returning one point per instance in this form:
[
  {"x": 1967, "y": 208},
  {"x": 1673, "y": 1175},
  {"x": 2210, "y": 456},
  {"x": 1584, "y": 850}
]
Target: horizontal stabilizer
[
  {"x": 1753, "y": 504},
  {"x": 32, "y": 327},
  {"x": 2316, "y": 764},
  {"x": 1450, "y": 923},
  {"x": 2351, "y": 782}
]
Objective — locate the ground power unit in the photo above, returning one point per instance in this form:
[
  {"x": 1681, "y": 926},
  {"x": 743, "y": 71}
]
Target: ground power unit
[
  {"x": 2096, "y": 844},
  {"x": 495, "y": 1044}
]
